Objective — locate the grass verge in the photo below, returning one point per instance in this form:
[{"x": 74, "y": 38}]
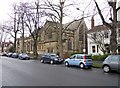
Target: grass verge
[{"x": 97, "y": 65}]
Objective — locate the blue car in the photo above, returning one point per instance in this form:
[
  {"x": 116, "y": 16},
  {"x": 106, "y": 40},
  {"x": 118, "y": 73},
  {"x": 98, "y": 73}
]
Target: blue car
[
  {"x": 81, "y": 60},
  {"x": 23, "y": 56}
]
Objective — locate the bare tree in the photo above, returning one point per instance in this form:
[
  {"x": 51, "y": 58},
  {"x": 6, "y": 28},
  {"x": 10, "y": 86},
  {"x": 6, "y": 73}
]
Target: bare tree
[
  {"x": 113, "y": 26},
  {"x": 15, "y": 27},
  {"x": 56, "y": 13},
  {"x": 4, "y": 32},
  {"x": 99, "y": 38},
  {"x": 33, "y": 16}
]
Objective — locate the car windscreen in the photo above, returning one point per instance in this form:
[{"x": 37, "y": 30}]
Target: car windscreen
[{"x": 54, "y": 56}]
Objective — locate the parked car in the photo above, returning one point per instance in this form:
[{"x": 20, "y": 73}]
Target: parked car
[
  {"x": 9, "y": 54},
  {"x": 51, "y": 58},
  {"x": 23, "y": 56},
  {"x": 4, "y": 54},
  {"x": 112, "y": 62},
  {"x": 80, "y": 60},
  {"x": 15, "y": 55}
]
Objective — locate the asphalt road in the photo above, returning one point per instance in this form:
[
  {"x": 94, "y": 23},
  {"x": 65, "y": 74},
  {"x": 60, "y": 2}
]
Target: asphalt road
[{"x": 33, "y": 73}]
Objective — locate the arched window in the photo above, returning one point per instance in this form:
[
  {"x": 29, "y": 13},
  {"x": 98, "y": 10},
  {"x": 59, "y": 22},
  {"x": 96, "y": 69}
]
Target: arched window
[{"x": 69, "y": 44}]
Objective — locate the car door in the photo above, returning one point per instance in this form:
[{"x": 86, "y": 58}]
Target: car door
[
  {"x": 114, "y": 62},
  {"x": 72, "y": 60},
  {"x": 44, "y": 57},
  {"x": 48, "y": 58},
  {"x": 77, "y": 60}
]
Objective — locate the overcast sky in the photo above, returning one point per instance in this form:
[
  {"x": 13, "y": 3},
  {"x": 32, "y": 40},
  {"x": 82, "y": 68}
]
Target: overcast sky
[
  {"x": 6, "y": 10},
  {"x": 6, "y": 7}
]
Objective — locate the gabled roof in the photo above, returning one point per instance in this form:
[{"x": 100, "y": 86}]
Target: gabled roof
[
  {"x": 73, "y": 25},
  {"x": 100, "y": 28},
  {"x": 70, "y": 26}
]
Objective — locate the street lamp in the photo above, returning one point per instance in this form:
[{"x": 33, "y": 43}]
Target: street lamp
[
  {"x": 84, "y": 31},
  {"x": 61, "y": 27}
]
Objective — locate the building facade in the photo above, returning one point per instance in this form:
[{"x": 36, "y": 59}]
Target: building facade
[
  {"x": 74, "y": 38},
  {"x": 5, "y": 47},
  {"x": 99, "y": 40}
]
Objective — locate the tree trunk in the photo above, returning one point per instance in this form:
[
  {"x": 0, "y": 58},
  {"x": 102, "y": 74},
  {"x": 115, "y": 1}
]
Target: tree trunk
[
  {"x": 15, "y": 42},
  {"x": 113, "y": 37},
  {"x": 35, "y": 49}
]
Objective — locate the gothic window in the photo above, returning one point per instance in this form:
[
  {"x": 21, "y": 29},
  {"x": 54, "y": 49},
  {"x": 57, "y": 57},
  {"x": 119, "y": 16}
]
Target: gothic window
[
  {"x": 69, "y": 44},
  {"x": 80, "y": 35},
  {"x": 50, "y": 35}
]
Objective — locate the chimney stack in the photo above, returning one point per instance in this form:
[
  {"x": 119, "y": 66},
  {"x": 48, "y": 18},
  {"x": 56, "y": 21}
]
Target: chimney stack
[{"x": 92, "y": 23}]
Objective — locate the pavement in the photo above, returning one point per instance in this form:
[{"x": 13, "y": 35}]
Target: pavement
[{"x": 33, "y": 73}]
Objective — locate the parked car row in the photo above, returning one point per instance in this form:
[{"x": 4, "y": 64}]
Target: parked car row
[
  {"x": 81, "y": 60},
  {"x": 22, "y": 56},
  {"x": 111, "y": 63}
]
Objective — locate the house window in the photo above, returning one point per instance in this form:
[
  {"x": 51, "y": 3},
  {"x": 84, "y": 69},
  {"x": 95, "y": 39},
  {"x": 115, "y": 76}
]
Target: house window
[
  {"x": 69, "y": 44},
  {"x": 97, "y": 48},
  {"x": 93, "y": 49},
  {"x": 106, "y": 34},
  {"x": 118, "y": 32}
]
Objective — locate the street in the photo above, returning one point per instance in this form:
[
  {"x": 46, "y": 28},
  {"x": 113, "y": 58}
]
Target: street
[{"x": 33, "y": 73}]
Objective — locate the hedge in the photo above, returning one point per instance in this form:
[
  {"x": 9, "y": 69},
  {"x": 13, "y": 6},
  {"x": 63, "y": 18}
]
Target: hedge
[{"x": 100, "y": 57}]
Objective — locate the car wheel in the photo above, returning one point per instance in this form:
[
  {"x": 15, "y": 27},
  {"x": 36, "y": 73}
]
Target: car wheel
[
  {"x": 106, "y": 68},
  {"x": 41, "y": 61},
  {"x": 82, "y": 65},
  {"x": 67, "y": 64},
  {"x": 51, "y": 62}
]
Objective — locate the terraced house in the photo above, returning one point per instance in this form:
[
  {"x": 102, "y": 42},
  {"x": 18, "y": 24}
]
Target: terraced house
[{"x": 74, "y": 38}]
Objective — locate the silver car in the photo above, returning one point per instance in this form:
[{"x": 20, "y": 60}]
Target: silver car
[{"x": 112, "y": 62}]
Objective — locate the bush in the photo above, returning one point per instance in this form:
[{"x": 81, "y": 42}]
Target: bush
[
  {"x": 77, "y": 53},
  {"x": 11, "y": 49},
  {"x": 100, "y": 57}
]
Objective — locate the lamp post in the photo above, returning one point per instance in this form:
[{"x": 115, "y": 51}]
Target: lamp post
[
  {"x": 61, "y": 27},
  {"x": 84, "y": 31}
]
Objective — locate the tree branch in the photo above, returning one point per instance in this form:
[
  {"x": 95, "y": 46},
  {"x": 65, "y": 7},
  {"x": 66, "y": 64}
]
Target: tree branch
[
  {"x": 100, "y": 13},
  {"x": 118, "y": 8}
]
